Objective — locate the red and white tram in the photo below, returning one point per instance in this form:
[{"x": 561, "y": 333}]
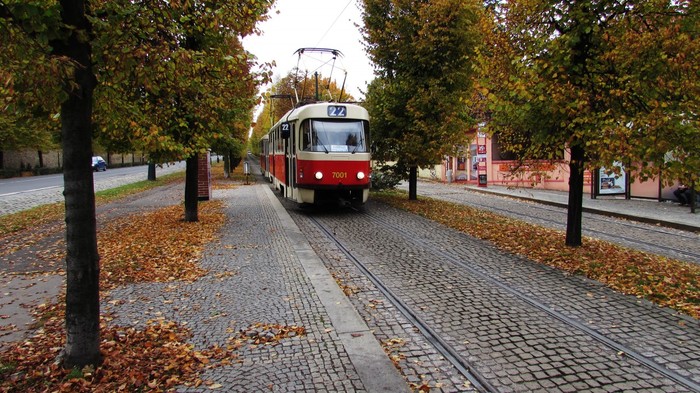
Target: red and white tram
[{"x": 319, "y": 153}]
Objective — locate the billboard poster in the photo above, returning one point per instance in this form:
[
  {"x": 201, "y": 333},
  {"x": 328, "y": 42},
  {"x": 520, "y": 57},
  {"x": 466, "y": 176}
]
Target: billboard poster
[
  {"x": 612, "y": 184},
  {"x": 461, "y": 163}
]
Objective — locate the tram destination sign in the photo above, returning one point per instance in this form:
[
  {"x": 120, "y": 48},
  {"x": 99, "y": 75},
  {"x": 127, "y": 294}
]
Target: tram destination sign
[
  {"x": 337, "y": 111},
  {"x": 285, "y": 130}
]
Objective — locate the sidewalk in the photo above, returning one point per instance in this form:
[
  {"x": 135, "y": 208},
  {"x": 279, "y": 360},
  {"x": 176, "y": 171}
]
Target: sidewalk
[
  {"x": 263, "y": 272},
  {"x": 667, "y": 213},
  {"x": 263, "y": 276}
]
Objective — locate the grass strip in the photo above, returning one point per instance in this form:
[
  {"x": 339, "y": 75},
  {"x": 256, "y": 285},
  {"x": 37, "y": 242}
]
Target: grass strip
[{"x": 40, "y": 215}]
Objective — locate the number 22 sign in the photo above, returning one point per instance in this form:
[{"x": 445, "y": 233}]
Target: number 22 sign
[
  {"x": 337, "y": 111},
  {"x": 285, "y": 130}
]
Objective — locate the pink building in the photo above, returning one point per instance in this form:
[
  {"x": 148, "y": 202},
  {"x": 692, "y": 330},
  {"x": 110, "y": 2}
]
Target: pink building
[{"x": 483, "y": 164}]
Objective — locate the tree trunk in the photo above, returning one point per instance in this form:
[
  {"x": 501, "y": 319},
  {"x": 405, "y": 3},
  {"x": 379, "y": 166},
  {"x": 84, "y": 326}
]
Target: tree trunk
[
  {"x": 575, "y": 208},
  {"x": 413, "y": 183},
  {"x": 82, "y": 260},
  {"x": 151, "y": 171},
  {"x": 227, "y": 164},
  {"x": 191, "y": 180}
]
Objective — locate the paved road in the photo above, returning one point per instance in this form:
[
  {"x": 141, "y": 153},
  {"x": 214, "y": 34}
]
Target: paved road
[{"x": 23, "y": 193}]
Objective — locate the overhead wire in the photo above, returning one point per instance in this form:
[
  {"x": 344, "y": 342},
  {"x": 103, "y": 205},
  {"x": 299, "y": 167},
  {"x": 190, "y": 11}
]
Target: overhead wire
[
  {"x": 342, "y": 65},
  {"x": 334, "y": 22},
  {"x": 325, "y": 62}
]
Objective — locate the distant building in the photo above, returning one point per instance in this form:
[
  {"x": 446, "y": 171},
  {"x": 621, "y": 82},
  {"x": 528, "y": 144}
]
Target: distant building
[{"x": 482, "y": 163}]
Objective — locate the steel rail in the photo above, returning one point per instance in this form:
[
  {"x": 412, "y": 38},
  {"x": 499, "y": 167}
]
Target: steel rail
[
  {"x": 462, "y": 365},
  {"x": 619, "y": 347}
]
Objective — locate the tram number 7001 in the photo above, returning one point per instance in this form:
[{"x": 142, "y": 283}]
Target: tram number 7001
[{"x": 340, "y": 175}]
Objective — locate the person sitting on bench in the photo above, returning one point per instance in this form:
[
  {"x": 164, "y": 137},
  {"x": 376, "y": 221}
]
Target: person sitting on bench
[{"x": 683, "y": 193}]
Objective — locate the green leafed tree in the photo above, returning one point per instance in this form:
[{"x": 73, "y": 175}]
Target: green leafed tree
[
  {"x": 182, "y": 80},
  {"x": 27, "y": 120},
  {"x": 170, "y": 76},
  {"x": 423, "y": 56},
  {"x": 57, "y": 35},
  {"x": 655, "y": 51},
  {"x": 564, "y": 75}
]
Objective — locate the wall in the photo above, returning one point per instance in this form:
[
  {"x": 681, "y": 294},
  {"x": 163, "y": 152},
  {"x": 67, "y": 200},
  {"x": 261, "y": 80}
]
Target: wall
[
  {"x": 19, "y": 159},
  {"x": 53, "y": 159}
]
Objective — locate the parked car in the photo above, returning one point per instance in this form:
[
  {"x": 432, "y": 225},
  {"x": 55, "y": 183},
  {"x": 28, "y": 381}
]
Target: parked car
[{"x": 98, "y": 164}]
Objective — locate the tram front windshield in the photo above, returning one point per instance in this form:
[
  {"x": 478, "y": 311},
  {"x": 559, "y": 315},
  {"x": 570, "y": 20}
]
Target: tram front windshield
[{"x": 334, "y": 136}]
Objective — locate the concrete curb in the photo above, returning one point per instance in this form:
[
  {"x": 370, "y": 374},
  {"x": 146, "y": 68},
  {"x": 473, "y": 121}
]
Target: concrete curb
[
  {"x": 372, "y": 364},
  {"x": 647, "y": 220}
]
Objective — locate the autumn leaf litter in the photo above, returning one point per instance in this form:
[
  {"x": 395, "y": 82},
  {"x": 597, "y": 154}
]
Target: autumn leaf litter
[
  {"x": 160, "y": 247},
  {"x": 666, "y": 282}
]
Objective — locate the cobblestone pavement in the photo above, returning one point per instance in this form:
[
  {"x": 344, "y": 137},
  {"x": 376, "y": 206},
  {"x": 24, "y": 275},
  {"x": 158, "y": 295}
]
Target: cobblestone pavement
[
  {"x": 256, "y": 276},
  {"x": 656, "y": 239},
  {"x": 259, "y": 272},
  {"x": 18, "y": 202},
  {"x": 420, "y": 363},
  {"x": 665, "y": 213},
  {"x": 517, "y": 347}
]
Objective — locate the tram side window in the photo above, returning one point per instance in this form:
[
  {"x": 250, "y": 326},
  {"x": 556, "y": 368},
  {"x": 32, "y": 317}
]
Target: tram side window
[
  {"x": 306, "y": 139},
  {"x": 279, "y": 147}
]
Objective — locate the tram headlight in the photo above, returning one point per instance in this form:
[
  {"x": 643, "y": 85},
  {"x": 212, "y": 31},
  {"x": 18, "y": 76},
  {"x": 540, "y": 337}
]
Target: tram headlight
[
  {"x": 360, "y": 175},
  {"x": 318, "y": 175}
]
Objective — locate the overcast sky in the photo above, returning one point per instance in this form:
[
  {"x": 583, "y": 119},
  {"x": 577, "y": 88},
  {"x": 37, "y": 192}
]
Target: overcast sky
[{"x": 314, "y": 23}]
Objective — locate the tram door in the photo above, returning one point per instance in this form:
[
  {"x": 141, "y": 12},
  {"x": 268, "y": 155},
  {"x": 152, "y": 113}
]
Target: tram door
[
  {"x": 292, "y": 163},
  {"x": 289, "y": 162},
  {"x": 271, "y": 157}
]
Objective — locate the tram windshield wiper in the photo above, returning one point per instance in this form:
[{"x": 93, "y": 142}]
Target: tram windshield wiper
[{"x": 316, "y": 125}]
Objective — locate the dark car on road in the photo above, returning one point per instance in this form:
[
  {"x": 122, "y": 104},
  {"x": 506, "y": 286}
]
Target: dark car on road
[{"x": 98, "y": 164}]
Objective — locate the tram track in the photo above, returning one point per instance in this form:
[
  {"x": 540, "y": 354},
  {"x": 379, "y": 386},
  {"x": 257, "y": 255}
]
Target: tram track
[
  {"x": 443, "y": 345},
  {"x": 611, "y": 343},
  {"x": 460, "y": 363}
]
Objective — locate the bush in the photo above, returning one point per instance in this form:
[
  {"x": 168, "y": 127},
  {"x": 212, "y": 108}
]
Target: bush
[
  {"x": 385, "y": 178},
  {"x": 47, "y": 171},
  {"x": 7, "y": 173}
]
